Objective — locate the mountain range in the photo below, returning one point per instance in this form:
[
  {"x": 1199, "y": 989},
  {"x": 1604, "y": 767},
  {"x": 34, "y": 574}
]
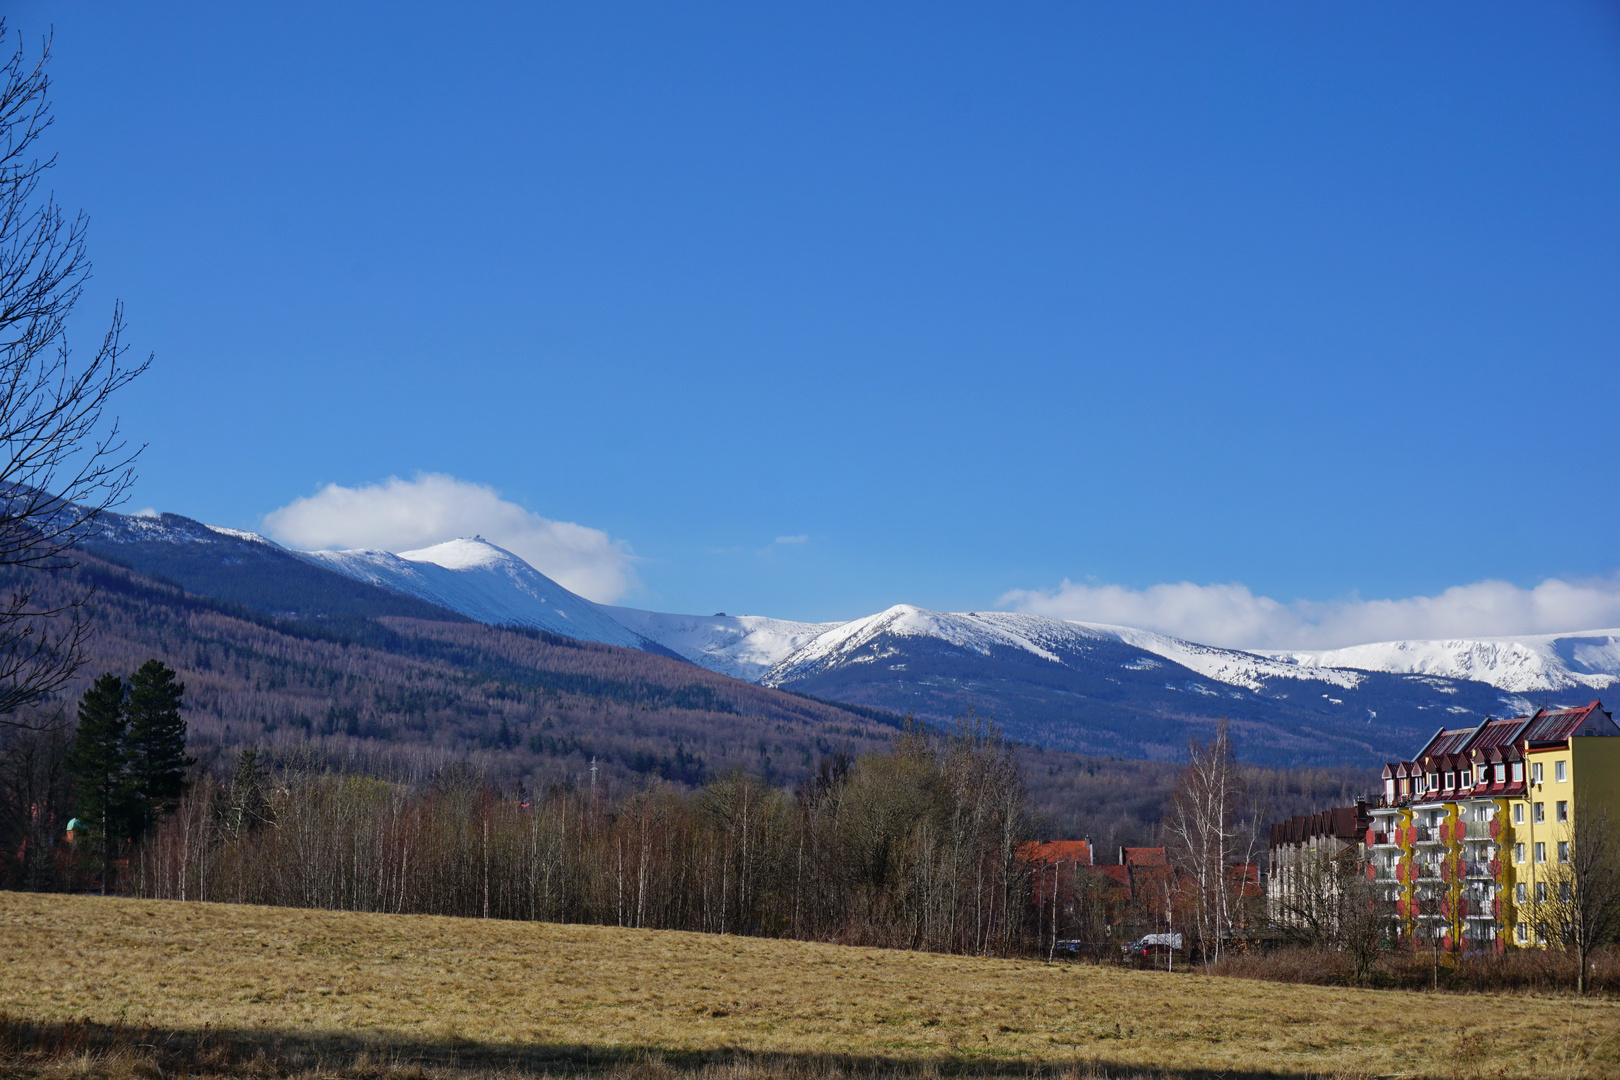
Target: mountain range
[{"x": 1081, "y": 687}]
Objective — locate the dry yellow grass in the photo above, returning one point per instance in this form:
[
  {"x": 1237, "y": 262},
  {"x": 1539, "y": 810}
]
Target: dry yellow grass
[{"x": 416, "y": 981}]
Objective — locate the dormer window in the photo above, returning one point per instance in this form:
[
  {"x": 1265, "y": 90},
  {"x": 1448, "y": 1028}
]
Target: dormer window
[
  {"x": 1501, "y": 773},
  {"x": 1518, "y": 772},
  {"x": 1451, "y": 779},
  {"x": 1434, "y": 781}
]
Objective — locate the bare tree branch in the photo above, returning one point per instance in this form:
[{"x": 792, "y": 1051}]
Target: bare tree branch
[{"x": 62, "y": 460}]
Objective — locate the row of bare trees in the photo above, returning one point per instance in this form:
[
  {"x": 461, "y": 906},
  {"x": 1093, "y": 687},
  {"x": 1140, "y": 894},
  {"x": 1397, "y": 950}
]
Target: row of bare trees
[{"x": 916, "y": 847}]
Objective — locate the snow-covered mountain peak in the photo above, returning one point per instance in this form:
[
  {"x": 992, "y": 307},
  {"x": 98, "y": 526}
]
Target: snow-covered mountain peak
[
  {"x": 466, "y": 553},
  {"x": 483, "y": 582},
  {"x": 1533, "y": 663}
]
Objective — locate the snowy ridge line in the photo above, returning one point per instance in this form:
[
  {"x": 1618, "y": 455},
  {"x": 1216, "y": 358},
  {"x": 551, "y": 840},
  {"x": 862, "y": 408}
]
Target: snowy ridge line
[
  {"x": 1516, "y": 664},
  {"x": 486, "y": 583},
  {"x": 1041, "y": 636},
  {"x": 742, "y": 646}
]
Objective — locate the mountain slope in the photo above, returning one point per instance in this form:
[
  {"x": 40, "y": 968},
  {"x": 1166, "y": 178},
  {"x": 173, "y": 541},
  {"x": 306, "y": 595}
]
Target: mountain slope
[
  {"x": 485, "y": 583},
  {"x": 1114, "y": 690},
  {"x": 742, "y": 646},
  {"x": 244, "y": 568}
]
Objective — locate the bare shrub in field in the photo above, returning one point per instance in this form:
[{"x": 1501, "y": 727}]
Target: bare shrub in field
[{"x": 1520, "y": 971}]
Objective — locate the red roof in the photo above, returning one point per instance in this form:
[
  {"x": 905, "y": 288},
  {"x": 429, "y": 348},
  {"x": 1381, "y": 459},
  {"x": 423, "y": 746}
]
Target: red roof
[
  {"x": 1143, "y": 856},
  {"x": 1050, "y": 852}
]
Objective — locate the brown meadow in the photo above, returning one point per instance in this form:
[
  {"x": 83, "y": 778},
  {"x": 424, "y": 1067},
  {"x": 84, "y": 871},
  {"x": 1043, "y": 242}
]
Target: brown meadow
[{"x": 541, "y": 995}]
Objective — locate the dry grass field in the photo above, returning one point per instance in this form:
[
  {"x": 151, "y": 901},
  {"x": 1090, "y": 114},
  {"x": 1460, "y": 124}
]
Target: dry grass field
[{"x": 510, "y": 996}]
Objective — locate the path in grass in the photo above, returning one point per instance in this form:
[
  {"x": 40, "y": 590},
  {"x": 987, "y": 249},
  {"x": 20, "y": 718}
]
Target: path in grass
[{"x": 424, "y": 979}]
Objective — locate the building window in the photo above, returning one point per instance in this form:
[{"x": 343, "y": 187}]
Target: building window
[
  {"x": 1563, "y": 810},
  {"x": 1518, "y": 853},
  {"x": 1518, "y": 813},
  {"x": 1451, "y": 779},
  {"x": 1560, "y": 772},
  {"x": 1521, "y": 932},
  {"x": 1564, "y": 892},
  {"x": 1541, "y": 812},
  {"x": 1518, "y": 892},
  {"x": 1535, "y": 772},
  {"x": 1563, "y": 851},
  {"x": 1541, "y": 851},
  {"x": 1518, "y": 771},
  {"x": 1434, "y": 781},
  {"x": 1541, "y": 892},
  {"x": 1501, "y": 773}
]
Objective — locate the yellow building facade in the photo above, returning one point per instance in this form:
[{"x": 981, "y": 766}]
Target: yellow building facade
[{"x": 1471, "y": 841}]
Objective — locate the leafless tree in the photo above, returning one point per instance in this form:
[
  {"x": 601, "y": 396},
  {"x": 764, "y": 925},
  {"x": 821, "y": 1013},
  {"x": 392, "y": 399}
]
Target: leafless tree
[
  {"x": 61, "y": 461},
  {"x": 1211, "y": 838},
  {"x": 1582, "y": 903}
]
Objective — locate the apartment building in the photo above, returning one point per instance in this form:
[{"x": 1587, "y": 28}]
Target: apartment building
[
  {"x": 1470, "y": 841},
  {"x": 1304, "y": 857}
]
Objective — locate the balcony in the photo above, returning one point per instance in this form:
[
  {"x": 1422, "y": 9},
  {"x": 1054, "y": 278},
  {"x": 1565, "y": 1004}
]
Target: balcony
[
  {"x": 1481, "y": 830},
  {"x": 1381, "y": 873},
  {"x": 1479, "y": 868},
  {"x": 1425, "y": 834}
]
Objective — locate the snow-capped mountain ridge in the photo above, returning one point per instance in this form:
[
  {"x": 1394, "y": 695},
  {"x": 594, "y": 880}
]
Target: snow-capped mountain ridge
[
  {"x": 484, "y": 582},
  {"x": 1522, "y": 664},
  {"x": 742, "y": 646},
  {"x": 1041, "y": 636}
]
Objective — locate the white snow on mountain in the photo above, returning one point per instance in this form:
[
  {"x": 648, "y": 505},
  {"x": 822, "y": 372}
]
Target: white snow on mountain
[
  {"x": 483, "y": 582},
  {"x": 742, "y": 646},
  {"x": 1044, "y": 637},
  {"x": 1545, "y": 662}
]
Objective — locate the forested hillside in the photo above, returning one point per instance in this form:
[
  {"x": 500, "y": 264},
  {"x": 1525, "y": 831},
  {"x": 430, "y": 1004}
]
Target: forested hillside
[{"x": 403, "y": 696}]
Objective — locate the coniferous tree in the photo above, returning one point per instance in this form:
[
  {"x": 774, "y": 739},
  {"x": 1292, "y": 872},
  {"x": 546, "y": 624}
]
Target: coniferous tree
[
  {"x": 156, "y": 743},
  {"x": 99, "y": 759}
]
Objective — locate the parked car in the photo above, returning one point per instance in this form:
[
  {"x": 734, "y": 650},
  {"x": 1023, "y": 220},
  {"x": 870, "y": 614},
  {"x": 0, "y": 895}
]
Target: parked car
[{"x": 1154, "y": 945}]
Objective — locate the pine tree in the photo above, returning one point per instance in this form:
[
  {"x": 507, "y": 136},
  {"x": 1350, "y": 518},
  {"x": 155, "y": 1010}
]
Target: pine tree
[
  {"x": 99, "y": 759},
  {"x": 157, "y": 742}
]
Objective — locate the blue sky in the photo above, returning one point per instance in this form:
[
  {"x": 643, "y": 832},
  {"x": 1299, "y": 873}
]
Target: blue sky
[{"x": 1323, "y": 300}]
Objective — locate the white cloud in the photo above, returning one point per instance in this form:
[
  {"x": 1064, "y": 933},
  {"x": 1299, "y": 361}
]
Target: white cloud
[
  {"x": 800, "y": 539},
  {"x": 1232, "y": 616},
  {"x": 402, "y": 515}
]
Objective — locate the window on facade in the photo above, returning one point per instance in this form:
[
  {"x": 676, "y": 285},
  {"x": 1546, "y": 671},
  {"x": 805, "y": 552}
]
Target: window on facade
[
  {"x": 1522, "y": 933},
  {"x": 1541, "y": 892},
  {"x": 1501, "y": 773},
  {"x": 1540, "y": 813},
  {"x": 1518, "y": 892},
  {"x": 1541, "y": 851},
  {"x": 1535, "y": 772},
  {"x": 1563, "y": 851},
  {"x": 1564, "y": 892},
  {"x": 1434, "y": 781},
  {"x": 1518, "y": 853},
  {"x": 1518, "y": 813},
  {"x": 1518, "y": 771},
  {"x": 1560, "y": 772},
  {"x": 1451, "y": 779},
  {"x": 1563, "y": 810}
]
